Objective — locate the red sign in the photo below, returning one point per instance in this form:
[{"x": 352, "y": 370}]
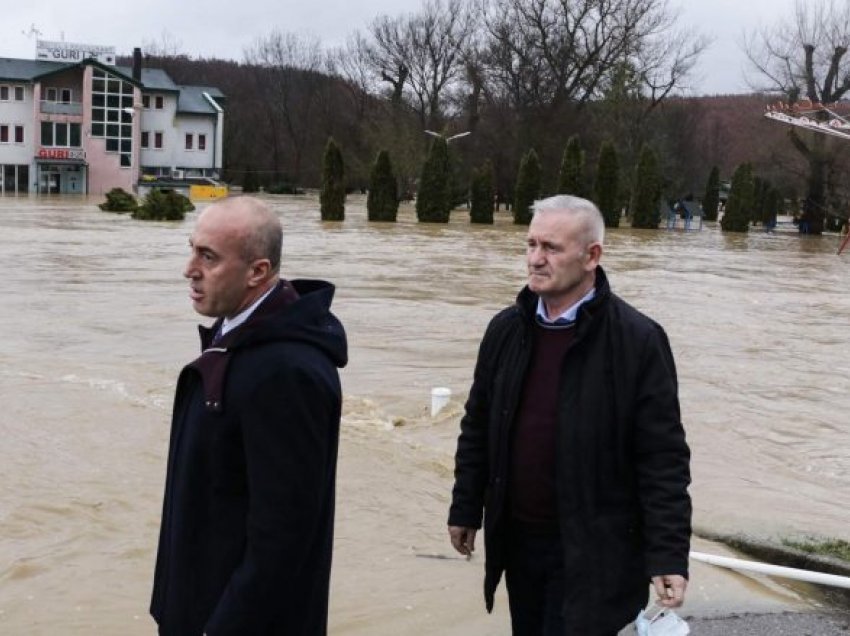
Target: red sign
[
  {"x": 61, "y": 153},
  {"x": 53, "y": 153}
]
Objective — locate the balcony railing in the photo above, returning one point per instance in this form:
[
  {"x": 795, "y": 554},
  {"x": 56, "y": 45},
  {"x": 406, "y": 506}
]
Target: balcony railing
[{"x": 62, "y": 108}]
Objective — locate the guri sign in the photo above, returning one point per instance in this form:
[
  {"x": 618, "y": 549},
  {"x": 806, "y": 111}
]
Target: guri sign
[
  {"x": 69, "y": 52},
  {"x": 61, "y": 153}
]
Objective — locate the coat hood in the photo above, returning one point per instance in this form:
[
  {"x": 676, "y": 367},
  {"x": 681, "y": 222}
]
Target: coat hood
[{"x": 295, "y": 311}]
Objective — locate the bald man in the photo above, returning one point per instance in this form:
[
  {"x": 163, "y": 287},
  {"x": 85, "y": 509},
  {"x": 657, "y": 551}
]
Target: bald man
[{"x": 247, "y": 521}]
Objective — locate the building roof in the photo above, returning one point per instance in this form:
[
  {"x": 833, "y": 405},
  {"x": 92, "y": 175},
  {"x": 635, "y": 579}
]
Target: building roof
[
  {"x": 192, "y": 100},
  {"x": 153, "y": 79},
  {"x": 15, "y": 70}
]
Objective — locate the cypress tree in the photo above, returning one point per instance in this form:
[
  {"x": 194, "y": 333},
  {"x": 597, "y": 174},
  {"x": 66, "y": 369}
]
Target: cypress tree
[
  {"x": 646, "y": 195},
  {"x": 249, "y": 181},
  {"x": 711, "y": 200},
  {"x": 571, "y": 176},
  {"x": 527, "y": 188},
  {"x": 760, "y": 187},
  {"x": 767, "y": 203},
  {"x": 607, "y": 186},
  {"x": 775, "y": 202},
  {"x": 740, "y": 202},
  {"x": 481, "y": 195},
  {"x": 332, "y": 195},
  {"x": 433, "y": 201},
  {"x": 382, "y": 200}
]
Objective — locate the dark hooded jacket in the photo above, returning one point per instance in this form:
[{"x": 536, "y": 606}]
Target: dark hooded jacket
[
  {"x": 247, "y": 521},
  {"x": 622, "y": 463}
]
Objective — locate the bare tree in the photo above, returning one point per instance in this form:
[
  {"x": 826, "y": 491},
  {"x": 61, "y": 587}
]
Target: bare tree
[
  {"x": 805, "y": 56},
  {"x": 288, "y": 70},
  {"x": 352, "y": 64},
  {"x": 422, "y": 55},
  {"x": 167, "y": 45},
  {"x": 547, "y": 52}
]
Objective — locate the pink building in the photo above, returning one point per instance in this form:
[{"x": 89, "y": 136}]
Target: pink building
[{"x": 87, "y": 126}]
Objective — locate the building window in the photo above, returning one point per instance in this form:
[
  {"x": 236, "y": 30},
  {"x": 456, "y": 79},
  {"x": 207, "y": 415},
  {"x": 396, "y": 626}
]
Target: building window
[
  {"x": 4, "y": 93},
  {"x": 157, "y": 140},
  {"x": 60, "y": 134},
  {"x": 19, "y": 93},
  {"x": 145, "y": 139},
  {"x": 146, "y": 101},
  {"x": 46, "y": 133},
  {"x": 202, "y": 142},
  {"x": 50, "y": 95},
  {"x": 19, "y": 134},
  {"x": 188, "y": 141},
  {"x": 66, "y": 96},
  {"x": 159, "y": 103},
  {"x": 4, "y": 134},
  {"x": 112, "y": 119}
]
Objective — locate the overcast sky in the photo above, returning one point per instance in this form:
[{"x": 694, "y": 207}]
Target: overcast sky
[{"x": 224, "y": 28}]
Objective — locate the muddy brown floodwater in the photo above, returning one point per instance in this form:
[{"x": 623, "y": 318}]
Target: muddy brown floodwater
[{"x": 96, "y": 324}]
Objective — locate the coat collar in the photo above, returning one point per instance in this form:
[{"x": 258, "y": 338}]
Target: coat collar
[
  {"x": 213, "y": 361},
  {"x": 526, "y": 303}
]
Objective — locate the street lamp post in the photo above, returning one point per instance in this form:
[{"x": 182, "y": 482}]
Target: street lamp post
[{"x": 448, "y": 139}]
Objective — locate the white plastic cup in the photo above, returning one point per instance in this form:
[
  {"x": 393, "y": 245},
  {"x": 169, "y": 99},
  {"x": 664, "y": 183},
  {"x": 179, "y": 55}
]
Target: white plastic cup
[{"x": 440, "y": 396}]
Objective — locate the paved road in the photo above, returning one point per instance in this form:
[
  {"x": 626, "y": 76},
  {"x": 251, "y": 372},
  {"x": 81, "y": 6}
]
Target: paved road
[
  {"x": 783, "y": 624},
  {"x": 723, "y": 602}
]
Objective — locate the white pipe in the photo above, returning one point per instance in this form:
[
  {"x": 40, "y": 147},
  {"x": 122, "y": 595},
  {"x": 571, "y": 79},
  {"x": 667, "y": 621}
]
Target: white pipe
[
  {"x": 774, "y": 570},
  {"x": 440, "y": 396}
]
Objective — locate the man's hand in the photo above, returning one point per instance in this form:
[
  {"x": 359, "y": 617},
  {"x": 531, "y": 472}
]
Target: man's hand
[
  {"x": 463, "y": 540},
  {"x": 670, "y": 589}
]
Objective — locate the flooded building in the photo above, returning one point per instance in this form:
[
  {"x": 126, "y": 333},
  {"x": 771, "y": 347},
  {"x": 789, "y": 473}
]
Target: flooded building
[{"x": 72, "y": 121}]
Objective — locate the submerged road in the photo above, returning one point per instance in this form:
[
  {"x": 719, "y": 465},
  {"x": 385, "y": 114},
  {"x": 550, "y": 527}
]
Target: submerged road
[{"x": 723, "y": 602}]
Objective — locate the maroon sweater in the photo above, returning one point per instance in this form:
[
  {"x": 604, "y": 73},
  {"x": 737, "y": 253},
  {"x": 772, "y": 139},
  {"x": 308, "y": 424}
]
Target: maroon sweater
[{"x": 532, "y": 476}]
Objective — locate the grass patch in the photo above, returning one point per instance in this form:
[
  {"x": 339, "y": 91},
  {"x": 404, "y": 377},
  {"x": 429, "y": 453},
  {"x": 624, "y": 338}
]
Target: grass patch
[{"x": 832, "y": 547}]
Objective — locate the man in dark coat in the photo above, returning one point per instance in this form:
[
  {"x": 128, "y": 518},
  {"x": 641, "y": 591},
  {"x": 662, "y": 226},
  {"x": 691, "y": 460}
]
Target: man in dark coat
[
  {"x": 571, "y": 447},
  {"x": 247, "y": 522}
]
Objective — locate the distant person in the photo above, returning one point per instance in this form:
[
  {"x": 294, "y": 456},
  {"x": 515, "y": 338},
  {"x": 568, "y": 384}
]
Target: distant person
[
  {"x": 247, "y": 522},
  {"x": 571, "y": 446}
]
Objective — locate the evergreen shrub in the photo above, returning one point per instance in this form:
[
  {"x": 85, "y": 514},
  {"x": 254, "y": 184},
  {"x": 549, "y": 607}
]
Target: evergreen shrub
[
  {"x": 382, "y": 200},
  {"x": 433, "y": 201},
  {"x": 119, "y": 200},
  {"x": 332, "y": 195},
  {"x": 481, "y": 195},
  {"x": 163, "y": 206},
  {"x": 527, "y": 189},
  {"x": 607, "y": 186},
  {"x": 646, "y": 195},
  {"x": 736, "y": 218}
]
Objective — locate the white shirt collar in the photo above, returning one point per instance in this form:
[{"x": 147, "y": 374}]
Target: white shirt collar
[
  {"x": 570, "y": 314},
  {"x": 231, "y": 323}
]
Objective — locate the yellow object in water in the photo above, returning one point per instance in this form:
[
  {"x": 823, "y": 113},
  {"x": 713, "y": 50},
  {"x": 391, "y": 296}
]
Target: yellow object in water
[{"x": 207, "y": 192}]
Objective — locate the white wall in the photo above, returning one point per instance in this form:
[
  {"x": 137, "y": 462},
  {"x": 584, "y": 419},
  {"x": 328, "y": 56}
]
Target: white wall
[
  {"x": 174, "y": 127},
  {"x": 195, "y": 124},
  {"x": 13, "y": 114},
  {"x": 159, "y": 121}
]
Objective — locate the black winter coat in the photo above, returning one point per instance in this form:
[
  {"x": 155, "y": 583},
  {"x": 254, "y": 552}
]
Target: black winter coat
[
  {"x": 247, "y": 522},
  {"x": 622, "y": 461}
]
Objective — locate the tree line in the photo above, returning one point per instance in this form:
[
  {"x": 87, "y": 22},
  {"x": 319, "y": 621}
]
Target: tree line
[{"x": 518, "y": 75}]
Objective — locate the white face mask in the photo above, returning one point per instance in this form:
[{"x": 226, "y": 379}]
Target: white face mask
[{"x": 663, "y": 623}]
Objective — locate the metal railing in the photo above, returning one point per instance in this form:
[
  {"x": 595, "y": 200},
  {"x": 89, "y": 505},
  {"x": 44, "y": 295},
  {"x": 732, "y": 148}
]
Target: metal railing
[{"x": 62, "y": 108}]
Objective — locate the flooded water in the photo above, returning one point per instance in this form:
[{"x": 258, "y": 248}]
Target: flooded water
[{"x": 97, "y": 323}]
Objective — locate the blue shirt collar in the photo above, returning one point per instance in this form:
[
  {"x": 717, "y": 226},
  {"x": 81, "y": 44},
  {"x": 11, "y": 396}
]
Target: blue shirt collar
[{"x": 569, "y": 316}]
